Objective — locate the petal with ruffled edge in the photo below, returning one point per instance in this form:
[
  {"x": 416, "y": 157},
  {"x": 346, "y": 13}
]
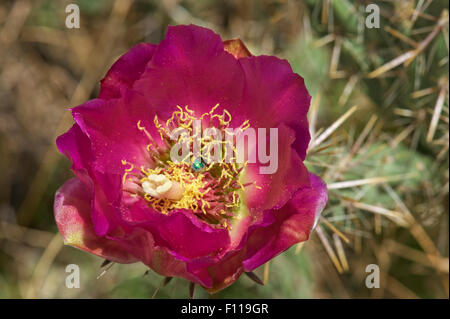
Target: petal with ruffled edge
[
  {"x": 282, "y": 228},
  {"x": 126, "y": 70},
  {"x": 180, "y": 231},
  {"x": 72, "y": 209},
  {"x": 220, "y": 272},
  {"x": 275, "y": 189},
  {"x": 76, "y": 145},
  {"x": 274, "y": 94},
  {"x": 190, "y": 67},
  {"x": 112, "y": 128}
]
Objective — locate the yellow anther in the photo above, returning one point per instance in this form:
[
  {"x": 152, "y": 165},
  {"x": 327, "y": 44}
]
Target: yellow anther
[
  {"x": 140, "y": 128},
  {"x": 127, "y": 170},
  {"x": 245, "y": 125},
  {"x": 229, "y": 117},
  {"x": 187, "y": 109}
]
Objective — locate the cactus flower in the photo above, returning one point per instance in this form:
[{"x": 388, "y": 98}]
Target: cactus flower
[{"x": 208, "y": 222}]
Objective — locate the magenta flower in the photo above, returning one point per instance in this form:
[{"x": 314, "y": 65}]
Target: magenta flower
[{"x": 207, "y": 223}]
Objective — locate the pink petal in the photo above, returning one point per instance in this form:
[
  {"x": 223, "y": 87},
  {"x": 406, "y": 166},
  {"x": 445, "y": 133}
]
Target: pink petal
[
  {"x": 77, "y": 147},
  {"x": 282, "y": 228},
  {"x": 180, "y": 231},
  {"x": 279, "y": 187},
  {"x": 191, "y": 67},
  {"x": 112, "y": 128},
  {"x": 274, "y": 94},
  {"x": 72, "y": 209},
  {"x": 126, "y": 70}
]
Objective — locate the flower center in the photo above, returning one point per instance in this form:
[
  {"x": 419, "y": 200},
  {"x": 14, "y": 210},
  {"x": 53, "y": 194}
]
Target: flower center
[{"x": 209, "y": 189}]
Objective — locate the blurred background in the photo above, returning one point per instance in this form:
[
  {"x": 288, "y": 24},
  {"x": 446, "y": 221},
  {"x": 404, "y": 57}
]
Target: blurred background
[{"x": 379, "y": 119}]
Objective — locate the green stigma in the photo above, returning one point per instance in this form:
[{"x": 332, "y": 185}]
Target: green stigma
[{"x": 198, "y": 165}]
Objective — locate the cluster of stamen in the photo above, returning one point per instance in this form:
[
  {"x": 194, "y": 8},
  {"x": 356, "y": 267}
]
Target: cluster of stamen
[{"x": 210, "y": 189}]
